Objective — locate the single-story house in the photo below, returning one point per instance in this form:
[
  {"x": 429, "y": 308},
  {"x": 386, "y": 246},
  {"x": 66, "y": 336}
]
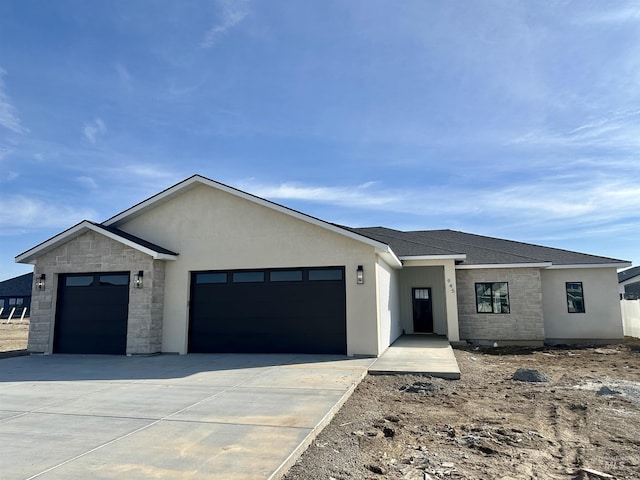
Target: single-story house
[
  {"x": 15, "y": 295},
  {"x": 204, "y": 267},
  {"x": 629, "y": 283}
]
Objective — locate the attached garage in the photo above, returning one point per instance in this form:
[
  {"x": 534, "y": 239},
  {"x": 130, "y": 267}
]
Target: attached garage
[
  {"x": 296, "y": 310},
  {"x": 92, "y": 313}
]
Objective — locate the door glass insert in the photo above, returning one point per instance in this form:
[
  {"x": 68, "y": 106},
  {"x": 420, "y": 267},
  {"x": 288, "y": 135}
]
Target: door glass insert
[
  {"x": 248, "y": 277},
  {"x": 285, "y": 276},
  {"x": 79, "y": 281},
  {"x": 421, "y": 293},
  {"x": 325, "y": 274},
  {"x": 118, "y": 279},
  {"x": 217, "y": 277}
]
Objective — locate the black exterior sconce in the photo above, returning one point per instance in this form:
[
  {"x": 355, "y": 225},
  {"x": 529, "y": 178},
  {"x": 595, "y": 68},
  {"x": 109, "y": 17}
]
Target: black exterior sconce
[
  {"x": 40, "y": 281},
  {"x": 359, "y": 275},
  {"x": 138, "y": 279}
]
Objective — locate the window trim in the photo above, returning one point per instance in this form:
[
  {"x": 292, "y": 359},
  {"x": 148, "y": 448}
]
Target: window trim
[
  {"x": 493, "y": 300},
  {"x": 566, "y": 289}
]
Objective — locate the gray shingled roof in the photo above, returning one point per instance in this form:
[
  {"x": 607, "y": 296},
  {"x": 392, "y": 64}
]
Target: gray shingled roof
[
  {"x": 480, "y": 250},
  {"x": 17, "y": 286},
  {"x": 132, "y": 238},
  {"x": 628, "y": 274}
]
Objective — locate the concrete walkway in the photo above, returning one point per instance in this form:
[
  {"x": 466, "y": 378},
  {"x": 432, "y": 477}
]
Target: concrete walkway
[
  {"x": 193, "y": 417},
  {"x": 419, "y": 354}
]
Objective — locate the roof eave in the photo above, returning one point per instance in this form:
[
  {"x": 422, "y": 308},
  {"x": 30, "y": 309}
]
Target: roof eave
[
  {"x": 460, "y": 256},
  {"x": 193, "y": 181},
  {"x": 32, "y": 254},
  {"x": 504, "y": 265},
  {"x": 590, "y": 265},
  {"x": 389, "y": 257}
]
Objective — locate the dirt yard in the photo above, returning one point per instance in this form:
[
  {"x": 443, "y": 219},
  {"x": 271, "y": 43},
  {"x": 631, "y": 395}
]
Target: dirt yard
[
  {"x": 487, "y": 425},
  {"x": 13, "y": 336}
]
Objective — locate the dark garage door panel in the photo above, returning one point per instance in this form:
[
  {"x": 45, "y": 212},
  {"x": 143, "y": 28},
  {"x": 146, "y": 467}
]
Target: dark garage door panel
[
  {"x": 92, "y": 319},
  {"x": 269, "y": 317}
]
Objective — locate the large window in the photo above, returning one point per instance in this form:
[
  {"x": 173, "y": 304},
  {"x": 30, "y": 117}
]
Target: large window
[
  {"x": 575, "y": 297},
  {"x": 492, "y": 297}
]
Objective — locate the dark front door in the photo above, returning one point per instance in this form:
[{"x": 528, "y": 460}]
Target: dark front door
[
  {"x": 422, "y": 310},
  {"x": 297, "y": 310},
  {"x": 92, "y": 313}
]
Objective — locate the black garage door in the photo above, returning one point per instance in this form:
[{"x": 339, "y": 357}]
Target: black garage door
[
  {"x": 300, "y": 310},
  {"x": 91, "y": 314}
]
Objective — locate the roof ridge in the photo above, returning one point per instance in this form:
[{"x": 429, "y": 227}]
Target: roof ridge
[
  {"x": 536, "y": 245},
  {"x": 414, "y": 242},
  {"x": 526, "y": 257}
]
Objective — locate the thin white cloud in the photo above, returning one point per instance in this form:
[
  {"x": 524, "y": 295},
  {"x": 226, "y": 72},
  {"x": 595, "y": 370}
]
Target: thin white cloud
[
  {"x": 361, "y": 196},
  {"x": 8, "y": 113},
  {"x": 610, "y": 12},
  {"x": 27, "y": 213},
  {"x": 613, "y": 129},
  {"x": 232, "y": 12},
  {"x": 123, "y": 75},
  {"x": 547, "y": 204},
  {"x": 147, "y": 170},
  {"x": 94, "y": 130},
  {"x": 87, "y": 182}
]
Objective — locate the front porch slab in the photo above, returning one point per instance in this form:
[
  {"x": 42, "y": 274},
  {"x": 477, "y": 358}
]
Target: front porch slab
[{"x": 418, "y": 354}]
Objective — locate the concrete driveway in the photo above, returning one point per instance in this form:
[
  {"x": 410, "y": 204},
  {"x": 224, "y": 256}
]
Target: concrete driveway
[{"x": 166, "y": 417}]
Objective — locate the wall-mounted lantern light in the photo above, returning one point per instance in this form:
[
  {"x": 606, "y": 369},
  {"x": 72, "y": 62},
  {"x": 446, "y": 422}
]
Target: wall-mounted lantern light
[
  {"x": 360, "y": 275},
  {"x": 138, "y": 279},
  {"x": 40, "y": 281}
]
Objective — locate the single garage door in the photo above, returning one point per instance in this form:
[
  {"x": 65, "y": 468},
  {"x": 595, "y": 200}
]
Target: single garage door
[
  {"x": 92, "y": 313},
  {"x": 301, "y": 310}
]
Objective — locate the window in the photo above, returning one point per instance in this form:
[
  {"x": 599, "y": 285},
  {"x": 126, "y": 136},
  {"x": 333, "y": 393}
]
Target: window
[
  {"x": 79, "y": 281},
  {"x": 214, "y": 277},
  {"x": 575, "y": 297},
  {"x": 492, "y": 297},
  {"x": 248, "y": 277},
  {"x": 325, "y": 274},
  {"x": 114, "y": 279},
  {"x": 421, "y": 293},
  {"x": 285, "y": 276}
]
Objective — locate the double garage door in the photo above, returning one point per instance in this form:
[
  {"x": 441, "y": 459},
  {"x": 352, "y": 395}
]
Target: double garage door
[{"x": 301, "y": 310}]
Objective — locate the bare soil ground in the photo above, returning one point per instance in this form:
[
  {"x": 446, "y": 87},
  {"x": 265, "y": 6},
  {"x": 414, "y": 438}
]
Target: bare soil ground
[
  {"x": 13, "y": 336},
  {"x": 487, "y": 425}
]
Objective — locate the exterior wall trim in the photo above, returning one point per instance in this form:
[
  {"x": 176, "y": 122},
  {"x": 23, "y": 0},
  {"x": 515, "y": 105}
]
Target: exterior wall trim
[
  {"x": 504, "y": 265},
  {"x": 596, "y": 265},
  {"x": 461, "y": 256},
  {"x": 30, "y": 256}
]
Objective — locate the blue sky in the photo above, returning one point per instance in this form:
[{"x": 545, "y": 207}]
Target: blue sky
[{"x": 515, "y": 119}]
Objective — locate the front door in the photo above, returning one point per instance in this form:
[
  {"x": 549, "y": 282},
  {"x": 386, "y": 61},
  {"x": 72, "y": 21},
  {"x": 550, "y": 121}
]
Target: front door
[{"x": 422, "y": 310}]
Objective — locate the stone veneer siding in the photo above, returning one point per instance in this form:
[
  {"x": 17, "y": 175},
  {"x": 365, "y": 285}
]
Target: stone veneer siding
[
  {"x": 525, "y": 323},
  {"x": 92, "y": 252}
]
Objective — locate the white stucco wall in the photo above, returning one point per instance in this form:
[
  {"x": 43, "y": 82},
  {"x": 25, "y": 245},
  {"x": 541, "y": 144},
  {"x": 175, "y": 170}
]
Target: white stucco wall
[
  {"x": 602, "y": 318},
  {"x": 388, "y": 305},
  {"x": 631, "y": 317},
  {"x": 215, "y": 230}
]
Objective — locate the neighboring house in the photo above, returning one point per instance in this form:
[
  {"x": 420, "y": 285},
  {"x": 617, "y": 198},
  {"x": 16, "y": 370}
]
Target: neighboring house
[
  {"x": 203, "y": 267},
  {"x": 15, "y": 293},
  {"x": 629, "y": 283}
]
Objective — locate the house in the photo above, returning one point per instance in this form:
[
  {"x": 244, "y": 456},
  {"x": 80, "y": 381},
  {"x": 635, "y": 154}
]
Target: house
[
  {"x": 15, "y": 293},
  {"x": 204, "y": 267},
  {"x": 629, "y": 283}
]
